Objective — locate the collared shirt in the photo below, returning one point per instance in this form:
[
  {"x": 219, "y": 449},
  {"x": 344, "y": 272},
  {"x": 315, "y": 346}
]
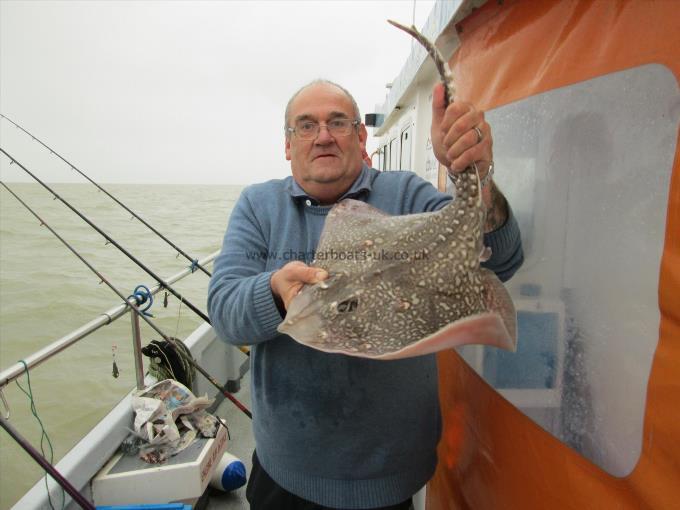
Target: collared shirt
[{"x": 360, "y": 185}]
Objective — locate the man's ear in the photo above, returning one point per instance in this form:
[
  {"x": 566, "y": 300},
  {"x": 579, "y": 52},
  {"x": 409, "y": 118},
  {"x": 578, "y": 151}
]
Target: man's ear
[
  {"x": 363, "y": 136},
  {"x": 288, "y": 148}
]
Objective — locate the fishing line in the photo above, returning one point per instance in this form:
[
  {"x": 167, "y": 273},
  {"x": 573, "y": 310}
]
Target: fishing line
[
  {"x": 111, "y": 240},
  {"x": 49, "y": 468},
  {"x": 179, "y": 316},
  {"x": 43, "y": 433},
  {"x": 133, "y": 305},
  {"x": 194, "y": 262}
]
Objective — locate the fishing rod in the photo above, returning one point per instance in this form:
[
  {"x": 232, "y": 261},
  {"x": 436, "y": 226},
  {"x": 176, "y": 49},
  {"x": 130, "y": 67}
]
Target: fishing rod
[
  {"x": 194, "y": 262},
  {"x": 49, "y": 468},
  {"x": 132, "y": 302},
  {"x": 134, "y": 259},
  {"x": 109, "y": 239}
]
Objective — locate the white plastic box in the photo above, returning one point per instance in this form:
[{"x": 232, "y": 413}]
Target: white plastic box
[{"x": 126, "y": 480}]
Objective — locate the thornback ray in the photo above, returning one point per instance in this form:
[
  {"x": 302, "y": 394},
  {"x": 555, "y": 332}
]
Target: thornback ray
[{"x": 404, "y": 286}]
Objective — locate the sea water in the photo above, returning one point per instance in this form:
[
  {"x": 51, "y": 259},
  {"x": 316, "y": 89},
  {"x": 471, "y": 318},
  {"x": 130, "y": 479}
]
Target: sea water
[{"x": 46, "y": 292}]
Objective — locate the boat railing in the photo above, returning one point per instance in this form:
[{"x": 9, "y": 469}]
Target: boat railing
[{"x": 17, "y": 369}]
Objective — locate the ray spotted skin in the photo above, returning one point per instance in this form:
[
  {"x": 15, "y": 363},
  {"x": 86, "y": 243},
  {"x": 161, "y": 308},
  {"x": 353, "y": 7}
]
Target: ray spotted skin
[{"x": 395, "y": 279}]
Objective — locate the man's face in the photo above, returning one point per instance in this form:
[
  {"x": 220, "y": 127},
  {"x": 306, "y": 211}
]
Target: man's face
[{"x": 326, "y": 166}]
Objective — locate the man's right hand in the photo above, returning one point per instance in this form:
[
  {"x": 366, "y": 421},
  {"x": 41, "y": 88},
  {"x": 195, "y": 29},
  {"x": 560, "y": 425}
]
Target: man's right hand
[{"x": 288, "y": 281}]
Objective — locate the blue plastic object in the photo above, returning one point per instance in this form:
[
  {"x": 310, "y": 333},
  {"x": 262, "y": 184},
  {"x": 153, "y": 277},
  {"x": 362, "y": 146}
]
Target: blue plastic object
[
  {"x": 234, "y": 476},
  {"x": 230, "y": 474}
]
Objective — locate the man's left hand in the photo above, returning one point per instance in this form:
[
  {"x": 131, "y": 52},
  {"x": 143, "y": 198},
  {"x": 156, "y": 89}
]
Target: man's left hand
[{"x": 460, "y": 135}]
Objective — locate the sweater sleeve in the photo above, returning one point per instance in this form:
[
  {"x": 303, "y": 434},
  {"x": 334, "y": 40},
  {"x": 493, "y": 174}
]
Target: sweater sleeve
[
  {"x": 240, "y": 302},
  {"x": 506, "y": 248}
]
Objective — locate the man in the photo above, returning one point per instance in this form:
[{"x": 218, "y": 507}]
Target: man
[{"x": 335, "y": 431}]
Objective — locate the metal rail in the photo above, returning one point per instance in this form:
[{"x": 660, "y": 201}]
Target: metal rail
[{"x": 16, "y": 370}]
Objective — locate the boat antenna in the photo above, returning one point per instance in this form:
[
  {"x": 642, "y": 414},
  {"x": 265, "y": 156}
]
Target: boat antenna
[
  {"x": 109, "y": 239},
  {"x": 49, "y": 468},
  {"x": 194, "y": 262},
  {"x": 132, "y": 302}
]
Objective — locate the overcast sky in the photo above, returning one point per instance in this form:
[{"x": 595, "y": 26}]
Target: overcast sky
[{"x": 182, "y": 92}]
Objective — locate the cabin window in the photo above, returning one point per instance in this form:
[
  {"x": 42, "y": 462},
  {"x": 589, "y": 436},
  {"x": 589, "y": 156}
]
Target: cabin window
[{"x": 586, "y": 169}]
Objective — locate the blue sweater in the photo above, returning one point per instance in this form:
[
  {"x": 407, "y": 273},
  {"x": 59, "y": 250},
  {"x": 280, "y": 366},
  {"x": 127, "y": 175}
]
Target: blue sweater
[{"x": 336, "y": 430}]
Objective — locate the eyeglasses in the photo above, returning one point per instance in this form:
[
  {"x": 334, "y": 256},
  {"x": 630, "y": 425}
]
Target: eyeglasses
[{"x": 309, "y": 130}]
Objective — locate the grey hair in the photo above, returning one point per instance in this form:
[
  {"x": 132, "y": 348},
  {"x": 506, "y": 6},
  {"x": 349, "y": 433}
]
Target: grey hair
[{"x": 320, "y": 81}]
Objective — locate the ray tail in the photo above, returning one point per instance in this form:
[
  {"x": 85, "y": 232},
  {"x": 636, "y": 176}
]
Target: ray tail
[{"x": 439, "y": 61}]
